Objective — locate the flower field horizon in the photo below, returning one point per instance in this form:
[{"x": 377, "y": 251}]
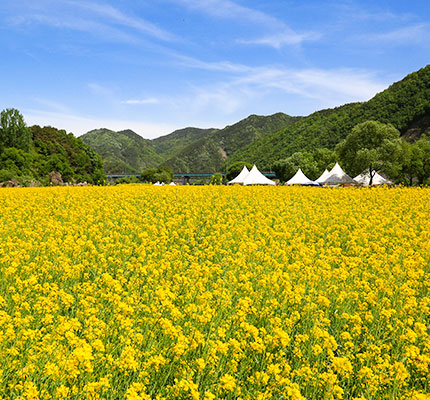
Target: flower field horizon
[{"x": 139, "y": 292}]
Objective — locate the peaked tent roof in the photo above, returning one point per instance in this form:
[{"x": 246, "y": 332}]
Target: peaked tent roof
[
  {"x": 242, "y": 175},
  {"x": 300, "y": 179},
  {"x": 364, "y": 179},
  {"x": 323, "y": 176},
  {"x": 337, "y": 176},
  {"x": 255, "y": 177}
]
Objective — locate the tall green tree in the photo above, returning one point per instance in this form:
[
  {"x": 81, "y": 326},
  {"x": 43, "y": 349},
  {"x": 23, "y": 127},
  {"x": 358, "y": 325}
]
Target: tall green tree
[
  {"x": 234, "y": 169},
  {"x": 13, "y": 130},
  {"x": 370, "y": 146}
]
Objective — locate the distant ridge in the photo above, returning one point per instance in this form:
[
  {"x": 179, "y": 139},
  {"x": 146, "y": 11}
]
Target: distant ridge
[
  {"x": 263, "y": 140},
  {"x": 405, "y": 104}
]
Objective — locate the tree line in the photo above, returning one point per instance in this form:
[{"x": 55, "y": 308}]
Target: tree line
[
  {"x": 371, "y": 147},
  {"x": 31, "y": 155}
]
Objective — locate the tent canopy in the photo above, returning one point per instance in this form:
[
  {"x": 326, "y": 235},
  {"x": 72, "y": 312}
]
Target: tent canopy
[
  {"x": 323, "y": 176},
  {"x": 338, "y": 177},
  {"x": 364, "y": 179},
  {"x": 255, "y": 177},
  {"x": 301, "y": 179},
  {"x": 241, "y": 177}
]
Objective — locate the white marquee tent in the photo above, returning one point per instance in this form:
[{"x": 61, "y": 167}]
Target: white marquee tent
[
  {"x": 301, "y": 179},
  {"x": 338, "y": 177},
  {"x": 241, "y": 177},
  {"x": 364, "y": 179},
  {"x": 255, "y": 177},
  {"x": 323, "y": 176}
]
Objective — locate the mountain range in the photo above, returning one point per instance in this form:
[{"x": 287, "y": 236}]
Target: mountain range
[{"x": 265, "y": 139}]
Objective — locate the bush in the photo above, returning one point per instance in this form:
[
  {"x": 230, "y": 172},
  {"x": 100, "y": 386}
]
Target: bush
[{"x": 234, "y": 169}]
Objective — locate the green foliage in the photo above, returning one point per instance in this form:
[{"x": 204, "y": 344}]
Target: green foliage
[
  {"x": 311, "y": 163},
  {"x": 210, "y": 153},
  {"x": 123, "y": 152},
  {"x": 13, "y": 130},
  {"x": 370, "y": 146},
  {"x": 216, "y": 179},
  {"x": 413, "y": 163},
  {"x": 170, "y": 145},
  {"x": 234, "y": 169},
  {"x": 64, "y": 153},
  {"x": 161, "y": 174},
  {"x": 32, "y": 153},
  {"x": 127, "y": 179},
  {"x": 402, "y": 105}
]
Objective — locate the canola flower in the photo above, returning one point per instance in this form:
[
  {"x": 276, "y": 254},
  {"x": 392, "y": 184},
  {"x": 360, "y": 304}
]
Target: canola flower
[{"x": 139, "y": 292}]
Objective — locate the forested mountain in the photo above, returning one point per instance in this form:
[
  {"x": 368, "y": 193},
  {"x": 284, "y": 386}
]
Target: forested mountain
[
  {"x": 184, "y": 150},
  {"x": 122, "y": 152},
  {"x": 210, "y": 153},
  {"x": 39, "y": 155},
  {"x": 405, "y": 104},
  {"x": 169, "y": 145},
  {"x": 264, "y": 140}
]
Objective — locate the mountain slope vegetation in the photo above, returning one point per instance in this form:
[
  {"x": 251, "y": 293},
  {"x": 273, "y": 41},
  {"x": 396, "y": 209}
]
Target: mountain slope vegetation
[
  {"x": 169, "y": 145},
  {"x": 122, "y": 152},
  {"x": 34, "y": 155},
  {"x": 405, "y": 104},
  {"x": 210, "y": 153}
]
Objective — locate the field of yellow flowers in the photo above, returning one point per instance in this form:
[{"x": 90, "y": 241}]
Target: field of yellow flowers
[{"x": 141, "y": 292}]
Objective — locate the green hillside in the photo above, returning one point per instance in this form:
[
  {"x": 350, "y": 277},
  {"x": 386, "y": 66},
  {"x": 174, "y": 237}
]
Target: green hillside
[
  {"x": 210, "y": 153},
  {"x": 405, "y": 104},
  {"x": 36, "y": 155},
  {"x": 169, "y": 145},
  {"x": 122, "y": 152}
]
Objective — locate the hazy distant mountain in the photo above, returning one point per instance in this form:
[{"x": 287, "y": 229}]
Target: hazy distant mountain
[
  {"x": 122, "y": 152},
  {"x": 169, "y": 145},
  {"x": 185, "y": 150},
  {"x": 265, "y": 139},
  {"x": 210, "y": 153}
]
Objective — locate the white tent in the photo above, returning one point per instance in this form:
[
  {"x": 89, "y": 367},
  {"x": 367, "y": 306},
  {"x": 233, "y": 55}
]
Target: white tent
[
  {"x": 323, "y": 176},
  {"x": 301, "y": 179},
  {"x": 172, "y": 184},
  {"x": 255, "y": 177},
  {"x": 338, "y": 177},
  {"x": 240, "y": 178},
  {"x": 157, "y": 184},
  {"x": 364, "y": 179}
]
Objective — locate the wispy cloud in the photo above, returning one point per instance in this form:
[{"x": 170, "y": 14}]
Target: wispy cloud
[
  {"x": 115, "y": 15},
  {"x": 329, "y": 87},
  {"x": 228, "y": 9},
  {"x": 149, "y": 100},
  {"x": 80, "y": 125},
  {"x": 407, "y": 35},
  {"x": 97, "y": 19},
  {"x": 280, "y": 40}
]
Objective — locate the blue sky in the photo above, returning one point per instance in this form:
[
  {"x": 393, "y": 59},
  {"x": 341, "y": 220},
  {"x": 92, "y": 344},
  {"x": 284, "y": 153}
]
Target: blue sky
[{"x": 158, "y": 65}]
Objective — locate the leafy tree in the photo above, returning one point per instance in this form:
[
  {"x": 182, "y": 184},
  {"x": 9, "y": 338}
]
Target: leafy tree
[
  {"x": 161, "y": 174},
  {"x": 422, "y": 155},
  {"x": 216, "y": 179},
  {"x": 311, "y": 163},
  {"x": 13, "y": 130},
  {"x": 234, "y": 169},
  {"x": 370, "y": 146}
]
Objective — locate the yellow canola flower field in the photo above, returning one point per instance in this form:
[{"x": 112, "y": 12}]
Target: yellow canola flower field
[{"x": 141, "y": 292}]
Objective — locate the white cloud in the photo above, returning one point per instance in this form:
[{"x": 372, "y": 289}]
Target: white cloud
[
  {"x": 286, "y": 38},
  {"x": 131, "y": 22},
  {"x": 407, "y": 35},
  {"x": 80, "y": 125},
  {"x": 230, "y": 10},
  {"x": 149, "y": 100},
  {"x": 335, "y": 86},
  {"x": 97, "y": 19}
]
